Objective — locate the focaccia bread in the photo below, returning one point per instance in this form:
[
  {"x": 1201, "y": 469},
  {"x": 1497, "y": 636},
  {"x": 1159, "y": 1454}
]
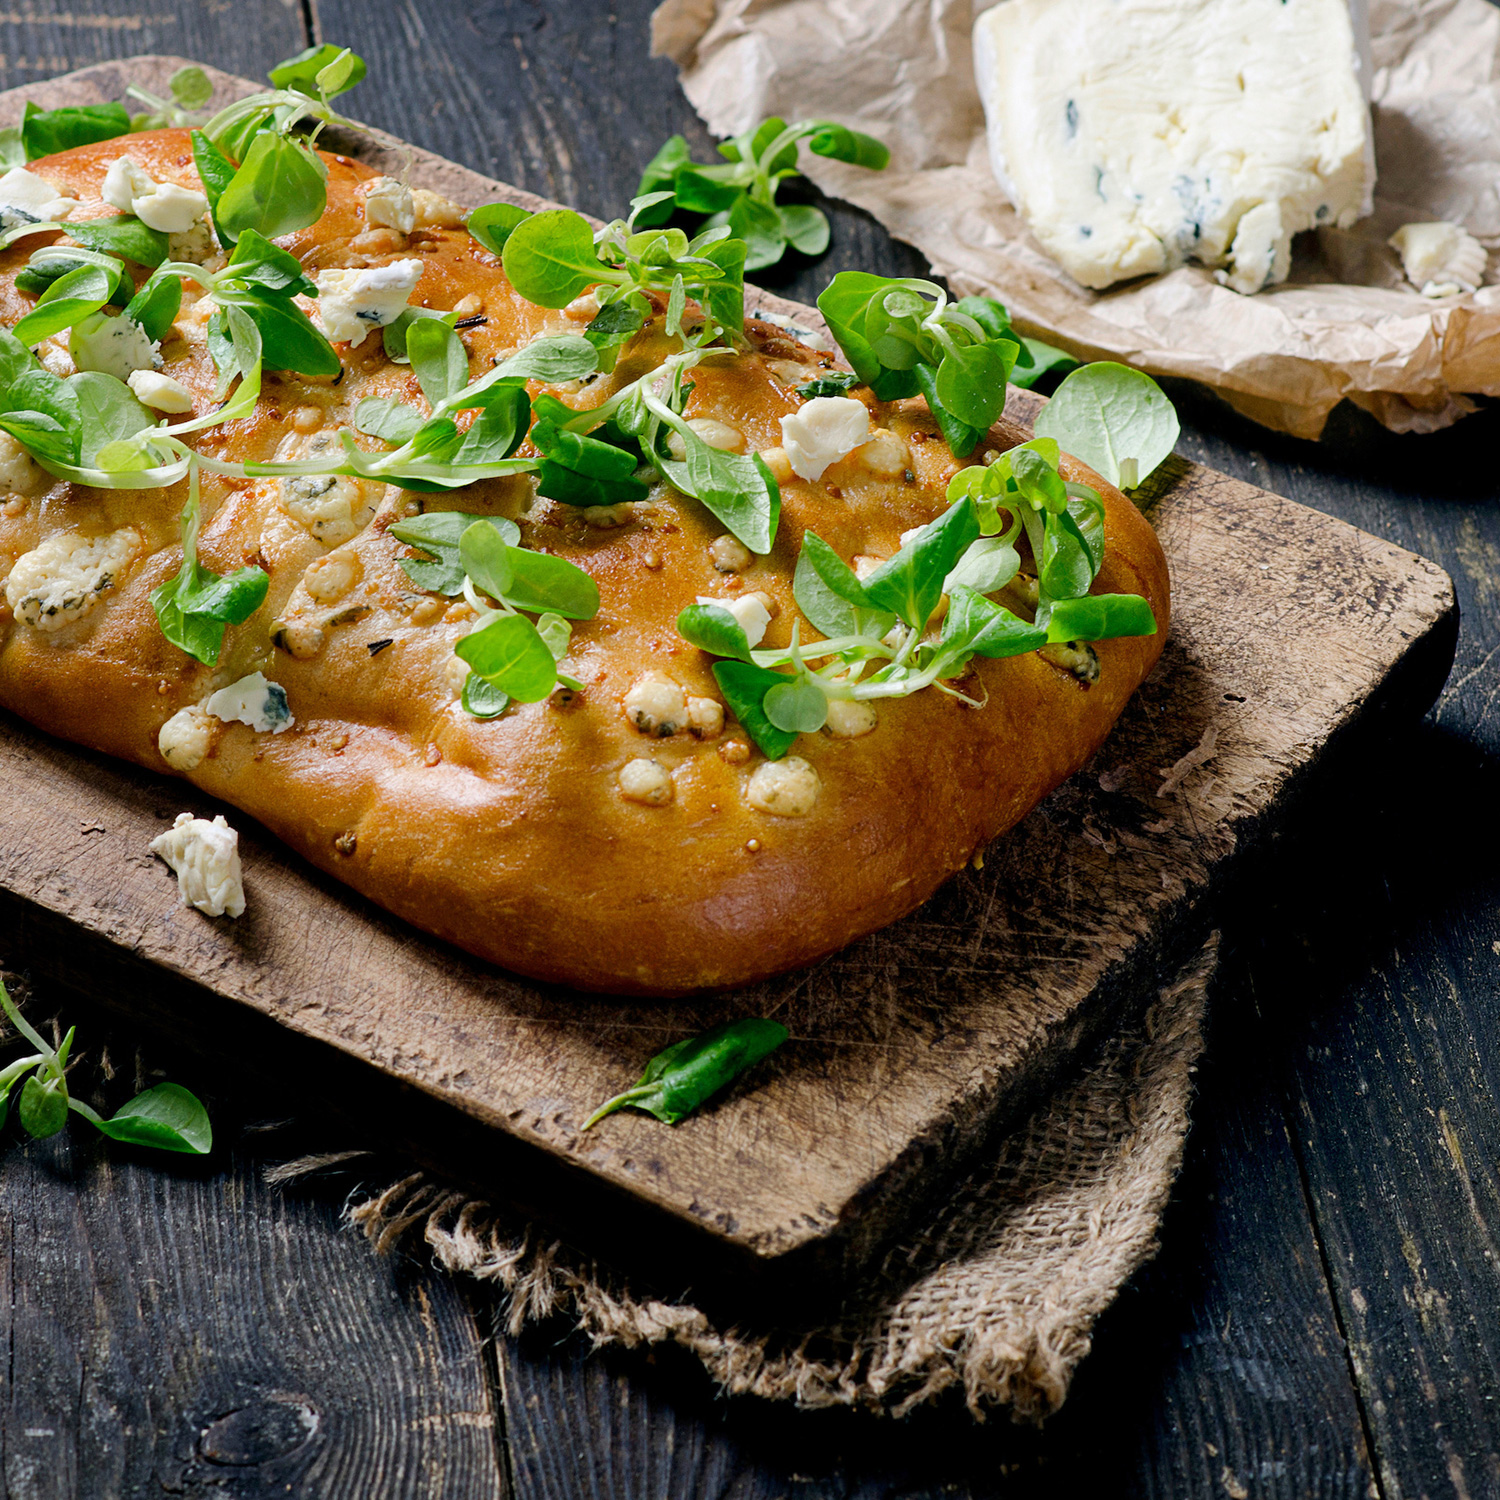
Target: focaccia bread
[{"x": 537, "y": 839}]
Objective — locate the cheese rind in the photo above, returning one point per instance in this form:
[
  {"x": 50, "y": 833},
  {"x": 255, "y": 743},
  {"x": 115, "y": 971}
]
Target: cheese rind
[{"x": 1136, "y": 135}]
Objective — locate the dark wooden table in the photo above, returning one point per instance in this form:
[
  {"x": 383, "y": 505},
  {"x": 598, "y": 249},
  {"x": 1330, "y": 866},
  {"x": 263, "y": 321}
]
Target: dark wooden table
[{"x": 1324, "y": 1318}]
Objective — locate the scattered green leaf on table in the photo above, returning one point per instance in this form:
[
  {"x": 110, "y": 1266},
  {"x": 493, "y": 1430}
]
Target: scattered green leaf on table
[{"x": 680, "y": 1078}]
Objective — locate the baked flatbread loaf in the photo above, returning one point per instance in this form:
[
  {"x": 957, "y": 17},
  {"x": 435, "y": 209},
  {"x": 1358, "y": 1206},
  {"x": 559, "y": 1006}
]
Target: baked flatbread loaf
[{"x": 515, "y": 837}]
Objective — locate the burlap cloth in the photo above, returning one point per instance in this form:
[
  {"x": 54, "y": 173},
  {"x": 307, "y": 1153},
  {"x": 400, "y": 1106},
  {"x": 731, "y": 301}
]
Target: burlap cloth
[{"x": 997, "y": 1295}]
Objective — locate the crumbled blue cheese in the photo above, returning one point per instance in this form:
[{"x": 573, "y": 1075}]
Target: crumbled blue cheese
[
  {"x": 808, "y": 336},
  {"x": 716, "y": 434},
  {"x": 194, "y": 245},
  {"x": 729, "y": 554},
  {"x": 163, "y": 206},
  {"x": 848, "y": 720},
  {"x": 749, "y": 611},
  {"x": 20, "y": 473},
  {"x": 388, "y": 203},
  {"x": 643, "y": 780},
  {"x": 205, "y": 857},
  {"x": 434, "y": 211},
  {"x": 253, "y": 701},
  {"x": 1152, "y": 134},
  {"x": 26, "y": 198},
  {"x": 333, "y": 507},
  {"x": 656, "y": 705},
  {"x": 160, "y": 391},
  {"x": 62, "y": 579},
  {"x": 822, "y": 431},
  {"x": 1440, "y": 259},
  {"x": 186, "y": 738},
  {"x": 788, "y": 788},
  {"x": 351, "y": 303},
  {"x": 115, "y": 346}
]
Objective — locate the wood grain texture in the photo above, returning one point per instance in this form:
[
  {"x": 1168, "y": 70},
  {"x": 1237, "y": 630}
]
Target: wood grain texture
[
  {"x": 1222, "y": 1368},
  {"x": 1170, "y": 1359},
  {"x": 562, "y": 101},
  {"x": 154, "y": 1343},
  {"x": 1391, "y": 1099},
  {"x": 39, "y": 41},
  {"x": 913, "y": 1045}
]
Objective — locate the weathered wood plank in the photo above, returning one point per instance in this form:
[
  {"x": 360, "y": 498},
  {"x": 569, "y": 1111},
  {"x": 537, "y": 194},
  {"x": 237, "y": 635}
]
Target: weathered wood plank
[
  {"x": 1393, "y": 1101},
  {"x": 1389, "y": 1029},
  {"x": 1430, "y": 494},
  {"x": 1289, "y": 631},
  {"x": 1379, "y": 971},
  {"x": 39, "y": 41},
  {"x": 1222, "y": 1369},
  {"x": 176, "y": 1326},
  {"x": 563, "y": 101}
]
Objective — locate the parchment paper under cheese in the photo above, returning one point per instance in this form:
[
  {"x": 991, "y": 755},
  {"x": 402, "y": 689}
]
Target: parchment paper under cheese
[{"x": 1344, "y": 324}]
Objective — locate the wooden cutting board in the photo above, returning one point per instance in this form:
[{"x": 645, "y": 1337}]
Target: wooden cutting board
[{"x": 1291, "y": 633}]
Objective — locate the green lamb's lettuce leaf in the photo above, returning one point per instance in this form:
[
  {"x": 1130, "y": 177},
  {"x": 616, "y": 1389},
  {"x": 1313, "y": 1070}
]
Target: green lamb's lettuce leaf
[
  {"x": 911, "y": 583},
  {"x": 745, "y": 686},
  {"x": 74, "y": 296},
  {"x": 510, "y": 655},
  {"x": 439, "y": 533},
  {"x": 197, "y": 605},
  {"x": 53, "y": 261},
  {"x": 156, "y": 305},
  {"x": 1099, "y": 617},
  {"x": 278, "y": 189},
  {"x": 393, "y": 335},
  {"x": 492, "y": 224},
  {"x": 123, "y": 236},
  {"x": 738, "y": 488},
  {"x": 167, "y": 1117},
  {"x": 796, "y": 705},
  {"x": 438, "y": 359},
  {"x": 902, "y": 337},
  {"x": 740, "y": 192},
  {"x": 309, "y": 72},
  {"x": 257, "y": 262},
  {"x": 712, "y": 628},
  {"x": 550, "y": 259},
  {"x": 215, "y": 172},
  {"x": 108, "y": 412},
  {"x": 1045, "y": 360},
  {"x": 45, "y": 132},
  {"x": 189, "y": 89},
  {"x": 1116, "y": 419}
]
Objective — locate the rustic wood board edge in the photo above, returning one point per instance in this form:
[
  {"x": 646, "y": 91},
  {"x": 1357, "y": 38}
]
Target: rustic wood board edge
[{"x": 877, "y": 1208}]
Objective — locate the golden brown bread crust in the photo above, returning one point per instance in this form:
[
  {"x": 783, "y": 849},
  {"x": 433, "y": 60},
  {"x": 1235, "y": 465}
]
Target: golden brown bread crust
[{"x": 510, "y": 837}]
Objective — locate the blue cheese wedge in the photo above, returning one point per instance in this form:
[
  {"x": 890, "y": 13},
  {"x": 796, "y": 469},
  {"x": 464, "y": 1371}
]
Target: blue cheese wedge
[
  {"x": 1137, "y": 135},
  {"x": 60, "y": 581}
]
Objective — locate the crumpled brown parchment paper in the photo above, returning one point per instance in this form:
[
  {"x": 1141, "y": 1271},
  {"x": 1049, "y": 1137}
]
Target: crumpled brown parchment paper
[{"x": 1344, "y": 324}]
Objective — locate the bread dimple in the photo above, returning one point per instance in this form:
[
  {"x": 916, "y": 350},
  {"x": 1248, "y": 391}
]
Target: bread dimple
[{"x": 510, "y": 836}]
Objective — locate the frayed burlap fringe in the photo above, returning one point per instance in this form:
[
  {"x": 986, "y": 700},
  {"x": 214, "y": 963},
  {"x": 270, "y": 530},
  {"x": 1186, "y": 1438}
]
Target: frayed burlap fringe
[{"x": 998, "y": 1296}]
